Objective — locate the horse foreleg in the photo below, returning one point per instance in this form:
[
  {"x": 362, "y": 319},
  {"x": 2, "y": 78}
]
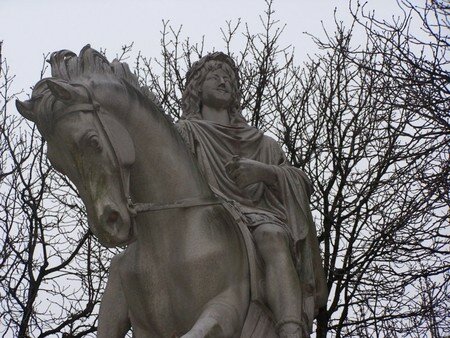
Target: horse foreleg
[
  {"x": 113, "y": 319},
  {"x": 223, "y": 316}
]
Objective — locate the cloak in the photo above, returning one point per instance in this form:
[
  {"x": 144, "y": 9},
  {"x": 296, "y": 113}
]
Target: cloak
[{"x": 213, "y": 145}]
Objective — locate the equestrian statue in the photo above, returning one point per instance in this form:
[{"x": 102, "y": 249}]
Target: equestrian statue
[{"x": 217, "y": 228}]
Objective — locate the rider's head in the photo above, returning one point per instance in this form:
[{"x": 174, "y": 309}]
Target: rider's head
[{"x": 195, "y": 78}]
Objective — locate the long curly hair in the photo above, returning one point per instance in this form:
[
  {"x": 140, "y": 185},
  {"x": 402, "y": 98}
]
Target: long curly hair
[{"x": 191, "y": 99}]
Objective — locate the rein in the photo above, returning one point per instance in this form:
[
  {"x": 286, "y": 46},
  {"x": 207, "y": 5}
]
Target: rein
[
  {"x": 136, "y": 208},
  {"x": 184, "y": 203}
]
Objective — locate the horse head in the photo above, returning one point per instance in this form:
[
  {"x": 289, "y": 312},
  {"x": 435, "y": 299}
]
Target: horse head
[{"x": 90, "y": 146}]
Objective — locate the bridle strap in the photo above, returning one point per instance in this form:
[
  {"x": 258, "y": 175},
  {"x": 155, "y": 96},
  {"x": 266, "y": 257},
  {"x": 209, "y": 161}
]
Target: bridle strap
[
  {"x": 136, "y": 208},
  {"x": 184, "y": 203},
  {"x": 85, "y": 107}
]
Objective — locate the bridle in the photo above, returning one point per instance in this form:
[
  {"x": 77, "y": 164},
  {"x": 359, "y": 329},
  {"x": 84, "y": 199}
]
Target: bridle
[{"x": 133, "y": 208}]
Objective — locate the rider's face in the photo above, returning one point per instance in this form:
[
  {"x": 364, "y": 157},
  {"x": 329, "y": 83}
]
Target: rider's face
[{"x": 217, "y": 89}]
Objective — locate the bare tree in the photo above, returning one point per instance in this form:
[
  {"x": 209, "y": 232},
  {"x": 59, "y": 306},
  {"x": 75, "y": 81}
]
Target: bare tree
[
  {"x": 383, "y": 230},
  {"x": 367, "y": 122}
]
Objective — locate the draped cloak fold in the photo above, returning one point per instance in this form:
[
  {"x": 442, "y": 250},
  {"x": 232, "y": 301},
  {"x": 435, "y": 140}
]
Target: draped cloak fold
[{"x": 287, "y": 202}]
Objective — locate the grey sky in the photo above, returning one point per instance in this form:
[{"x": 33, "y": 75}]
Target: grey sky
[{"x": 30, "y": 29}]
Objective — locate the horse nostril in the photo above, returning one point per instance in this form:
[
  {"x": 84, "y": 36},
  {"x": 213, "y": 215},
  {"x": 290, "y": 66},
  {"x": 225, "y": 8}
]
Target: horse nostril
[{"x": 113, "y": 217}]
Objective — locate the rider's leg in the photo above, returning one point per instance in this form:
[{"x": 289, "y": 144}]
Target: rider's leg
[{"x": 283, "y": 290}]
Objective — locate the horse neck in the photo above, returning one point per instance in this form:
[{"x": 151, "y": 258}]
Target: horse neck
[{"x": 164, "y": 170}]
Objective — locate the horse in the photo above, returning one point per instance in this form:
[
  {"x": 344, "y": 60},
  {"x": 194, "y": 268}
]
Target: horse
[{"x": 184, "y": 271}]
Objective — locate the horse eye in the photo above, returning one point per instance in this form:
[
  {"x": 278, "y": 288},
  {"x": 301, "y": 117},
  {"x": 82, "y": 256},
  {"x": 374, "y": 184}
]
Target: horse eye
[{"x": 94, "y": 142}]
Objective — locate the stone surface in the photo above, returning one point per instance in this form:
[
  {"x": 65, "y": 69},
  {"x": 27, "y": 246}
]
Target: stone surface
[{"x": 190, "y": 267}]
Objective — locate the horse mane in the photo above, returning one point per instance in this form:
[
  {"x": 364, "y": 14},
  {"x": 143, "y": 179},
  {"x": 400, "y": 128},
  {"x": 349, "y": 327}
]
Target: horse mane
[{"x": 66, "y": 66}]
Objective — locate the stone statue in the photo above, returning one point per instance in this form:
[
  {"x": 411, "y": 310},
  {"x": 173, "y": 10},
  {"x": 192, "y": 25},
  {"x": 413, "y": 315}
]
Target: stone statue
[{"x": 189, "y": 268}]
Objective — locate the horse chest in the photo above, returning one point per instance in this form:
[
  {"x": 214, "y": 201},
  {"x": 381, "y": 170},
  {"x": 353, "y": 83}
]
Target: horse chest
[
  {"x": 147, "y": 273},
  {"x": 170, "y": 278},
  {"x": 148, "y": 291}
]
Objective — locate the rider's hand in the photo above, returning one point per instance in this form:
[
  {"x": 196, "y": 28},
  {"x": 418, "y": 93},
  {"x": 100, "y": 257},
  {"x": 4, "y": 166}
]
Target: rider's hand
[{"x": 245, "y": 172}]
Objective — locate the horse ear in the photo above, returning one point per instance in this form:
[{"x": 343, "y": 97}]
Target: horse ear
[
  {"x": 25, "y": 109},
  {"x": 61, "y": 90}
]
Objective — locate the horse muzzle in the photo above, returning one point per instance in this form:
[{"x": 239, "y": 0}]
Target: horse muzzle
[{"x": 113, "y": 226}]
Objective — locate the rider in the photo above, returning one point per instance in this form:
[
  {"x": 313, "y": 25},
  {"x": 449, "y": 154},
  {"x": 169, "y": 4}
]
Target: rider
[{"x": 243, "y": 165}]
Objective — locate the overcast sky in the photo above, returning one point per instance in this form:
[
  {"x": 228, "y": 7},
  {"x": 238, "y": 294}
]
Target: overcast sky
[{"x": 29, "y": 29}]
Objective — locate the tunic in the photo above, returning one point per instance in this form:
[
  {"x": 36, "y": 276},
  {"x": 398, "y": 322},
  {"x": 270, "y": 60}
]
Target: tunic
[{"x": 285, "y": 204}]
